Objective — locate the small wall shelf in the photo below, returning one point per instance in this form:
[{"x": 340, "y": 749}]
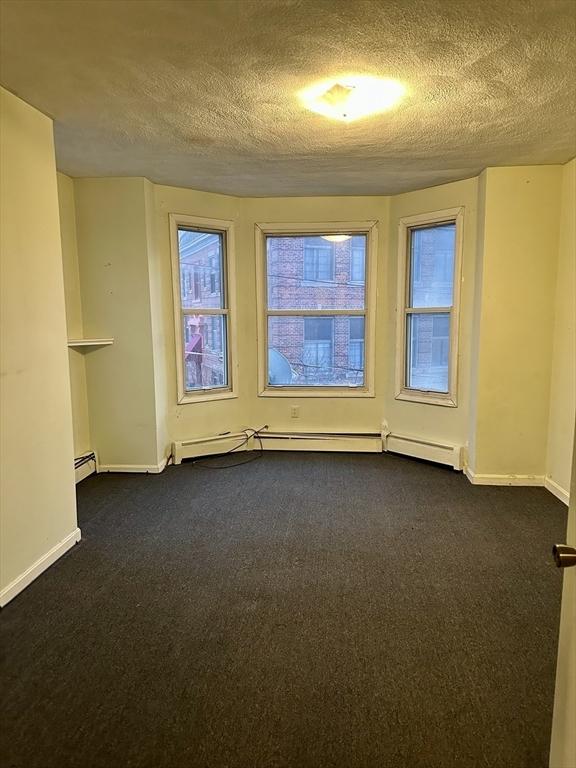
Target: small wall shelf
[{"x": 90, "y": 342}]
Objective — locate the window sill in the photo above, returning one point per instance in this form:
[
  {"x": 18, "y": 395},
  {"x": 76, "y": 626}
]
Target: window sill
[
  {"x": 207, "y": 396},
  {"x": 427, "y": 398},
  {"x": 324, "y": 392}
]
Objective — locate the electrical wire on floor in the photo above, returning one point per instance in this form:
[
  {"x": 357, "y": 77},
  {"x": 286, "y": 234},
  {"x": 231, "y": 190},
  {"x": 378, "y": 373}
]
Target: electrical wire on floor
[
  {"x": 81, "y": 460},
  {"x": 250, "y": 434}
]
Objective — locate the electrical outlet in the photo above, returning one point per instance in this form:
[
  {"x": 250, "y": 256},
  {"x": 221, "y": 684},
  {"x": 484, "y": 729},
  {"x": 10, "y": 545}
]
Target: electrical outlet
[{"x": 295, "y": 412}]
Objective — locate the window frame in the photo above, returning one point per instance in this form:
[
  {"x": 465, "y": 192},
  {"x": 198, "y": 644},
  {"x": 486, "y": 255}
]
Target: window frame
[
  {"x": 405, "y": 226},
  {"x": 301, "y": 229},
  {"x": 226, "y": 229}
]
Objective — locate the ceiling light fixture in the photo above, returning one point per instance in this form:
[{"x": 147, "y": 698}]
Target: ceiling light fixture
[
  {"x": 352, "y": 97},
  {"x": 336, "y": 238}
]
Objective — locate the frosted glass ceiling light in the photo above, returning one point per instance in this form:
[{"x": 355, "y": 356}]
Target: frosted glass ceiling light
[
  {"x": 336, "y": 238},
  {"x": 351, "y": 97}
]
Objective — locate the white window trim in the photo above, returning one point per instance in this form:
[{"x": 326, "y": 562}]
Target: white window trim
[
  {"x": 405, "y": 224},
  {"x": 219, "y": 226},
  {"x": 370, "y": 229}
]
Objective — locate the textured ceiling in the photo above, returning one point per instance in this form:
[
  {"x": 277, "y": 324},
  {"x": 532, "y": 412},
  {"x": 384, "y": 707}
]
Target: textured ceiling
[{"x": 202, "y": 94}]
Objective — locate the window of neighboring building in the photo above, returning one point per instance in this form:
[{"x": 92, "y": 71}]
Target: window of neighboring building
[
  {"x": 429, "y": 281},
  {"x": 316, "y": 306},
  {"x": 201, "y": 265},
  {"x": 214, "y": 275},
  {"x": 197, "y": 288},
  {"x": 356, "y": 344},
  {"x": 357, "y": 261},
  {"x": 318, "y": 348},
  {"x": 318, "y": 263}
]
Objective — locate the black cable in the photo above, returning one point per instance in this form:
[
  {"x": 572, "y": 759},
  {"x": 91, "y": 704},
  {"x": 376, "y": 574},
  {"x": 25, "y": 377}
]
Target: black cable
[
  {"x": 81, "y": 460},
  {"x": 212, "y": 465},
  {"x": 254, "y": 433}
]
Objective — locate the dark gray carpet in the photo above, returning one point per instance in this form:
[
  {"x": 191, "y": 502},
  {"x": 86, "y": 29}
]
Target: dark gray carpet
[{"x": 303, "y": 611}]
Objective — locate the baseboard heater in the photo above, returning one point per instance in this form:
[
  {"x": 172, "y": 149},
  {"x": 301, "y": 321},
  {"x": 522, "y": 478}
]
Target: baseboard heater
[
  {"x": 85, "y": 465},
  {"x": 419, "y": 448},
  {"x": 365, "y": 442},
  {"x": 276, "y": 441},
  {"x": 370, "y": 442},
  {"x": 212, "y": 445}
]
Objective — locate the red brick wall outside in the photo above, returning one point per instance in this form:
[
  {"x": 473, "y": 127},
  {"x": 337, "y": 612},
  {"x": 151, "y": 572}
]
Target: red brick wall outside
[{"x": 287, "y": 288}]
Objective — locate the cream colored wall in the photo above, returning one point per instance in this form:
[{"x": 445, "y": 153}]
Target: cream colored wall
[
  {"x": 563, "y": 370},
  {"x": 37, "y": 503},
  {"x": 74, "y": 323},
  {"x": 440, "y": 423},
  {"x": 515, "y": 320},
  {"x": 113, "y": 252},
  {"x": 160, "y": 326},
  {"x": 470, "y": 458},
  {"x": 212, "y": 417}
]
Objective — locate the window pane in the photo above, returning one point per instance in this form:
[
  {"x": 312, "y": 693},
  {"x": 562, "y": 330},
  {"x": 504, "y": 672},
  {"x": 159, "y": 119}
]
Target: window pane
[
  {"x": 201, "y": 269},
  {"x": 428, "y": 351},
  {"x": 205, "y": 355},
  {"x": 315, "y": 351},
  {"x": 432, "y": 266},
  {"x": 306, "y": 272}
]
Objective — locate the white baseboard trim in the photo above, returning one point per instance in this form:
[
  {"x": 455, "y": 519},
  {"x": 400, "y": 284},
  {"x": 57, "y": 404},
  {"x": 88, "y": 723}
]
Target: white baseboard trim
[
  {"x": 152, "y": 469},
  {"x": 557, "y": 490},
  {"x": 519, "y": 480},
  {"x": 26, "y": 578}
]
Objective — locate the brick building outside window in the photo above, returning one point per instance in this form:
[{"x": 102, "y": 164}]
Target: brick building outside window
[
  {"x": 201, "y": 287},
  {"x": 312, "y": 273}
]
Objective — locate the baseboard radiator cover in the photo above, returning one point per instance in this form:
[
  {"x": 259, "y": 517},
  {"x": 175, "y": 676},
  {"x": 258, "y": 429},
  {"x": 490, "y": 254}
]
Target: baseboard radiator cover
[
  {"x": 365, "y": 442},
  {"x": 275, "y": 441},
  {"x": 369, "y": 442},
  {"x": 85, "y": 465},
  {"x": 143, "y": 469},
  {"x": 211, "y": 445},
  {"x": 421, "y": 448}
]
